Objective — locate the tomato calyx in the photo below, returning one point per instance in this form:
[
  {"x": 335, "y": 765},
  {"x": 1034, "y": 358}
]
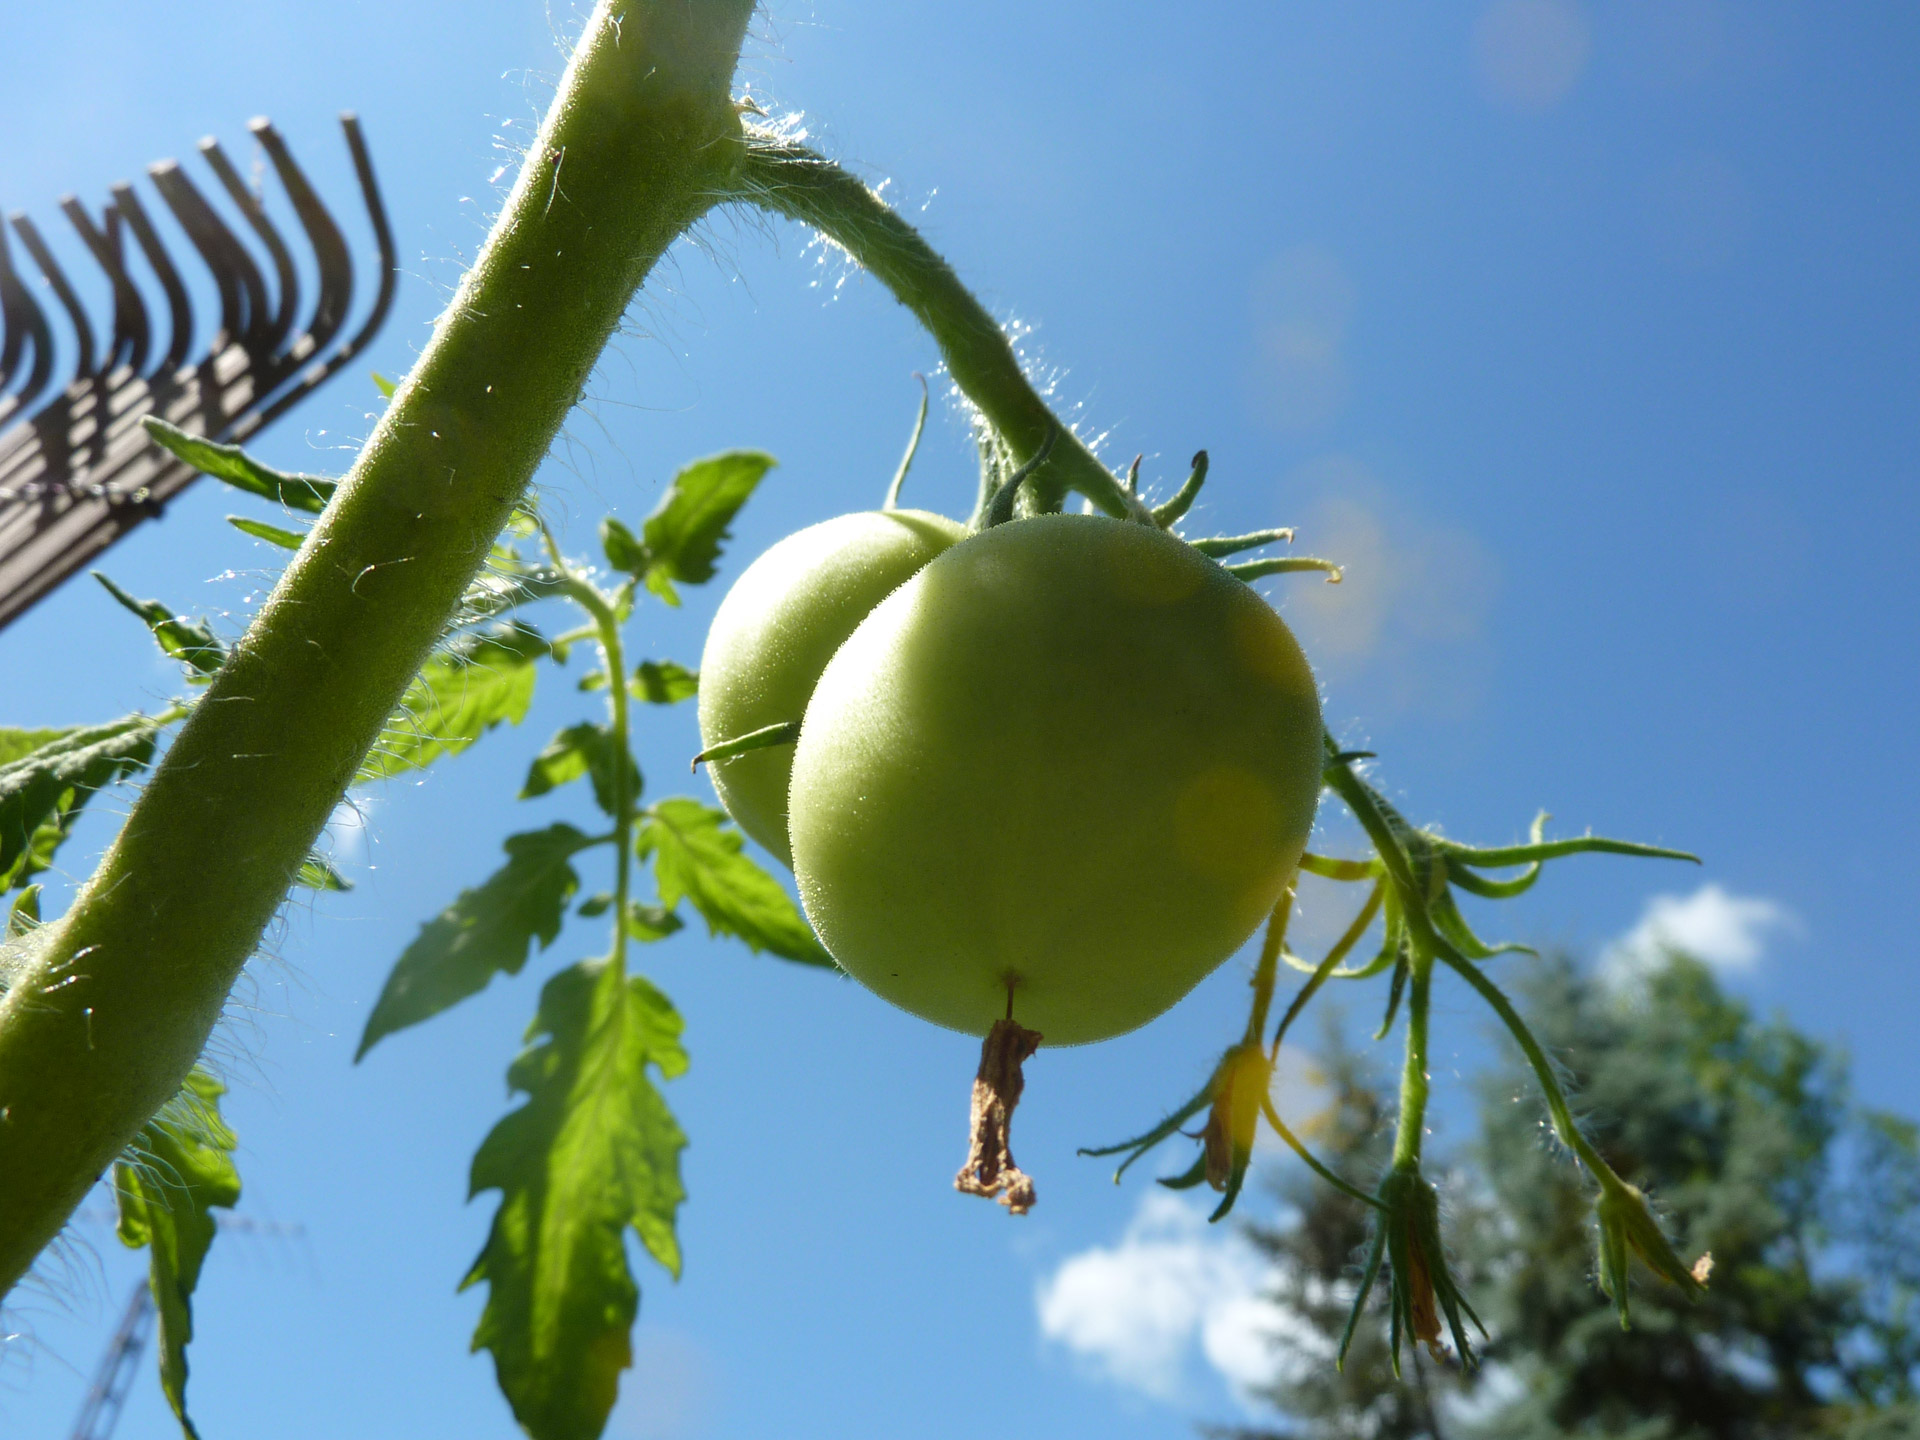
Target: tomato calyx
[
  {"x": 990, "y": 1171},
  {"x": 784, "y": 732}
]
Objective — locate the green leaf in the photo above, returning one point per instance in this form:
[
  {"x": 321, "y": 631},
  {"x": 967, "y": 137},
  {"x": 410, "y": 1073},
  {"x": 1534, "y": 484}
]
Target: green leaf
[
  {"x": 240, "y": 470},
  {"x": 176, "y": 1171},
  {"x": 316, "y": 874},
  {"x": 459, "y": 695},
  {"x": 647, "y": 923},
  {"x": 487, "y": 930},
  {"x": 24, "y": 914},
  {"x": 594, "y": 1151},
  {"x": 664, "y": 682},
  {"x": 49, "y": 780},
  {"x": 696, "y": 855},
  {"x": 385, "y": 386},
  {"x": 272, "y": 534},
  {"x": 191, "y": 643},
  {"x": 684, "y": 532},
  {"x": 623, "y": 551},
  {"x": 583, "y": 749}
]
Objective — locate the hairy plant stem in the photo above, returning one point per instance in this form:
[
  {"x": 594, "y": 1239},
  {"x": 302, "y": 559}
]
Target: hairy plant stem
[
  {"x": 105, "y": 1022},
  {"x": 613, "y": 658},
  {"x": 794, "y": 181},
  {"x": 1411, "y": 1131}
]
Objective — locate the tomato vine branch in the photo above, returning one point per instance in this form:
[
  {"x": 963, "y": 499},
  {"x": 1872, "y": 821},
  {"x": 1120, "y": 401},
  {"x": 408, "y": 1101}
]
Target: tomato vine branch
[{"x": 799, "y": 183}]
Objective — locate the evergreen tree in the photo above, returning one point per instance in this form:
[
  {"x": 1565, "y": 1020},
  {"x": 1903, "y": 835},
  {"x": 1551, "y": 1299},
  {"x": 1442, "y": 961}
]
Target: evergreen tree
[{"x": 1746, "y": 1136}]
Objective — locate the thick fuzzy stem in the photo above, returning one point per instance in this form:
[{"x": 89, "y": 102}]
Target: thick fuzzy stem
[
  {"x": 793, "y": 181},
  {"x": 103, "y": 1025}
]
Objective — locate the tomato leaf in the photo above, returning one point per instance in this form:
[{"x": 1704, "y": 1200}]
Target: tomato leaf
[
  {"x": 47, "y": 777},
  {"x": 696, "y": 855},
  {"x": 316, "y": 874},
  {"x": 480, "y": 680},
  {"x": 175, "y": 1172},
  {"x": 272, "y": 534},
  {"x": 486, "y": 930},
  {"x": 684, "y": 532},
  {"x": 663, "y": 682},
  {"x": 190, "y": 642},
  {"x": 594, "y": 1151},
  {"x": 583, "y": 749},
  {"x": 240, "y": 470},
  {"x": 622, "y": 549}
]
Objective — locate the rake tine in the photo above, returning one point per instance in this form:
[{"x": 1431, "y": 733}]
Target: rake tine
[
  {"x": 249, "y": 205},
  {"x": 132, "y": 336},
  {"x": 179, "y": 307},
  {"x": 329, "y": 246},
  {"x": 25, "y": 324},
  {"x": 81, "y": 472},
  {"x": 56, "y": 277},
  {"x": 243, "y": 295},
  {"x": 382, "y": 300}
]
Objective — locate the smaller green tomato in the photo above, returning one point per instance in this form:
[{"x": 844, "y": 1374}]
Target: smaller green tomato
[{"x": 777, "y": 629}]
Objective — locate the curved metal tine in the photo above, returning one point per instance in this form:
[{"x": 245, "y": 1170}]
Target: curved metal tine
[
  {"x": 263, "y": 226},
  {"x": 131, "y": 334},
  {"x": 179, "y": 307},
  {"x": 57, "y": 278},
  {"x": 329, "y": 246},
  {"x": 389, "y": 278},
  {"x": 382, "y": 231},
  {"x": 24, "y": 324},
  {"x": 243, "y": 295}
]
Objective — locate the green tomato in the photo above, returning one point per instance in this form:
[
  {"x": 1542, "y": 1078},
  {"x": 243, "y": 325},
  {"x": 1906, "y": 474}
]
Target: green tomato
[
  {"x": 775, "y": 632},
  {"x": 1068, "y": 767}
]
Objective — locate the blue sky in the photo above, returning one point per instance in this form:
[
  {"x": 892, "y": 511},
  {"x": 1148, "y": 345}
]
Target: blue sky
[{"x": 1585, "y": 335}]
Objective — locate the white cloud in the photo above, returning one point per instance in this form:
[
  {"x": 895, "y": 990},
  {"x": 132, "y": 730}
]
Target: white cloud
[
  {"x": 1728, "y": 932},
  {"x": 1133, "y": 1312}
]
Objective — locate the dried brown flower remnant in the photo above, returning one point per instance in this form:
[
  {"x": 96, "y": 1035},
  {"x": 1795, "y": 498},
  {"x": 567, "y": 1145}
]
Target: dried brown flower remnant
[{"x": 990, "y": 1170}]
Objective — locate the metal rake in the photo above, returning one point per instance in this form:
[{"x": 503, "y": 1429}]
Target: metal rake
[{"x": 79, "y": 472}]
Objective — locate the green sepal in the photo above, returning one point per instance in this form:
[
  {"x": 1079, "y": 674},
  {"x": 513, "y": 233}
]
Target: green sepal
[
  {"x": 1166, "y": 1129},
  {"x": 1217, "y": 546},
  {"x": 191, "y": 643},
  {"x": 697, "y": 856},
  {"x": 1191, "y": 1178},
  {"x": 487, "y": 931},
  {"x": 1421, "y": 1286},
  {"x": 592, "y": 1153},
  {"x": 1166, "y": 514},
  {"x": 240, "y": 470},
  {"x": 1251, "y": 570},
  {"x": 783, "y": 732},
  {"x": 1627, "y": 1227},
  {"x": 176, "y": 1171}
]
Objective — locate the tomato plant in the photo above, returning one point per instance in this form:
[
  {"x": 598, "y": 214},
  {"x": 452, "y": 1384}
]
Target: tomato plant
[{"x": 1053, "y": 778}]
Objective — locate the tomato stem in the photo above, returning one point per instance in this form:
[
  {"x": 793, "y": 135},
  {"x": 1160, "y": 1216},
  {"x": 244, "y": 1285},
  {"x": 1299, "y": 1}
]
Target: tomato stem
[
  {"x": 792, "y": 180},
  {"x": 105, "y": 1022}
]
